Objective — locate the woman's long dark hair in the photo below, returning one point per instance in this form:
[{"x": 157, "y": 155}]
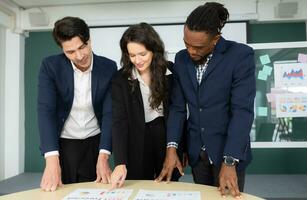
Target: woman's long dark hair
[{"x": 144, "y": 34}]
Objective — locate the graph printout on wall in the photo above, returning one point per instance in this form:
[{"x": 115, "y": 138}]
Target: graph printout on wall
[{"x": 290, "y": 74}]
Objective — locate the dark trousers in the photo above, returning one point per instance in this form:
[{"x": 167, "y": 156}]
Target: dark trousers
[
  {"x": 155, "y": 149},
  {"x": 78, "y": 159},
  {"x": 208, "y": 174}
]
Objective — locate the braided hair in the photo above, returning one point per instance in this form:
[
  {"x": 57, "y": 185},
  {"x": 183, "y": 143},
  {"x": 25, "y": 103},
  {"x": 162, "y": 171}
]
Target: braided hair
[{"x": 210, "y": 17}]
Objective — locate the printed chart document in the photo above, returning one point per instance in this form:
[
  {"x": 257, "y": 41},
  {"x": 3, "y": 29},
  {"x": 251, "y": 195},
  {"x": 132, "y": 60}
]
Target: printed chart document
[
  {"x": 99, "y": 194},
  {"x": 167, "y": 195}
]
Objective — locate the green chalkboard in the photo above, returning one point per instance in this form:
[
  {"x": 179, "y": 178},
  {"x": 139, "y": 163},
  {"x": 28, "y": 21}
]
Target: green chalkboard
[
  {"x": 276, "y": 160},
  {"x": 37, "y": 46},
  {"x": 40, "y": 44}
]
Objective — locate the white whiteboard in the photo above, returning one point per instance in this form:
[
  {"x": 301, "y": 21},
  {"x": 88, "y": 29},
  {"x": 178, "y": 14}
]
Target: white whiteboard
[{"x": 105, "y": 40}]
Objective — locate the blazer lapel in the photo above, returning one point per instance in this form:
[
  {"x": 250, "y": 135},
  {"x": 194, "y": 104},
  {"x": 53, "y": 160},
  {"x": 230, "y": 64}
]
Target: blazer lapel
[
  {"x": 216, "y": 57},
  {"x": 69, "y": 79},
  {"x": 192, "y": 72},
  {"x": 94, "y": 80}
]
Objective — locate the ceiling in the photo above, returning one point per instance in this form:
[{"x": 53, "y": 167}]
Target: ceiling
[{"x": 27, "y": 4}]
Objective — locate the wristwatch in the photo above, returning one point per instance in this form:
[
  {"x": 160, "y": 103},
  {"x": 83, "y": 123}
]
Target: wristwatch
[{"x": 230, "y": 161}]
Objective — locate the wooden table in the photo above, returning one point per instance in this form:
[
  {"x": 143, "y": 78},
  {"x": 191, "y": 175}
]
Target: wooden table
[{"x": 207, "y": 192}]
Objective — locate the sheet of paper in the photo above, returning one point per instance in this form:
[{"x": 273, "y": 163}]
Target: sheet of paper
[
  {"x": 99, "y": 194},
  {"x": 302, "y": 58},
  {"x": 291, "y": 105},
  {"x": 262, "y": 75},
  {"x": 290, "y": 74},
  {"x": 267, "y": 69},
  {"x": 262, "y": 111},
  {"x": 167, "y": 195},
  {"x": 265, "y": 59}
]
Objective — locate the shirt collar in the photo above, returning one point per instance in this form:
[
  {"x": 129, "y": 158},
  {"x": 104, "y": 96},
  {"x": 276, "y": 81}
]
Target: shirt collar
[{"x": 136, "y": 74}]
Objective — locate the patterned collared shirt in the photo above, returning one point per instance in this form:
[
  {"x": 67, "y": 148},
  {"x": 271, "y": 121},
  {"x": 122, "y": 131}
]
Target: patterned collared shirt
[{"x": 201, "y": 69}]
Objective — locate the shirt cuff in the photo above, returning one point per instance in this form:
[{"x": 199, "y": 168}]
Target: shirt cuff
[
  {"x": 51, "y": 153},
  {"x": 105, "y": 151},
  {"x": 172, "y": 144}
]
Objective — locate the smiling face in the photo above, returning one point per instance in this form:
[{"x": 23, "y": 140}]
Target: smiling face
[
  {"x": 139, "y": 56},
  {"x": 199, "y": 44},
  {"x": 78, "y": 52}
]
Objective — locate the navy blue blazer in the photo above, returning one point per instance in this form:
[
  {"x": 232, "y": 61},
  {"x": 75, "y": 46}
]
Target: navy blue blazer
[
  {"x": 56, "y": 93},
  {"x": 220, "y": 109}
]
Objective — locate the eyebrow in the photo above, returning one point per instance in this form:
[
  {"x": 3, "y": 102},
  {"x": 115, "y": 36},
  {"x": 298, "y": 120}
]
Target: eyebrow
[
  {"x": 71, "y": 51},
  {"x": 199, "y": 46},
  {"x": 143, "y": 52}
]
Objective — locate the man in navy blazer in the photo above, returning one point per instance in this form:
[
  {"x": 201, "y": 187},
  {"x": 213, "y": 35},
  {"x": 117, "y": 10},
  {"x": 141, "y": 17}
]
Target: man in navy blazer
[
  {"x": 74, "y": 109},
  {"x": 214, "y": 84}
]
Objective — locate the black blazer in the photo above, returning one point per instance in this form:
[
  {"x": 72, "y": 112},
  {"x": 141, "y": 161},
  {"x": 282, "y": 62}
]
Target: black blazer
[
  {"x": 56, "y": 94},
  {"x": 129, "y": 122}
]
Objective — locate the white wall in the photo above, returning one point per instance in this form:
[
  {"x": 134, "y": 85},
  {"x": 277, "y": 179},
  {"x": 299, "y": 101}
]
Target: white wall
[
  {"x": 13, "y": 104},
  {"x": 2, "y": 55},
  {"x": 267, "y": 8},
  {"x": 105, "y": 41},
  {"x": 160, "y": 12},
  {"x": 11, "y": 94},
  {"x": 133, "y": 12}
]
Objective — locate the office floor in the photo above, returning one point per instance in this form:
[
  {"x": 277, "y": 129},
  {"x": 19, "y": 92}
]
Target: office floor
[{"x": 271, "y": 187}]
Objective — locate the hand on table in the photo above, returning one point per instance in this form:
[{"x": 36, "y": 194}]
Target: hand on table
[
  {"x": 228, "y": 180},
  {"x": 52, "y": 174},
  {"x": 170, "y": 163},
  {"x": 118, "y": 176},
  {"x": 103, "y": 170}
]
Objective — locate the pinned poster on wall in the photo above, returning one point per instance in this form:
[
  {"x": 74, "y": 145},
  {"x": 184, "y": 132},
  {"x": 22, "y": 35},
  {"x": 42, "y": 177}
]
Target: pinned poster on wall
[
  {"x": 291, "y": 105},
  {"x": 290, "y": 74},
  {"x": 281, "y": 95}
]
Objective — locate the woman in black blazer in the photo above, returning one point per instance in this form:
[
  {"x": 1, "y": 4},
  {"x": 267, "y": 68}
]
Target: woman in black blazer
[{"x": 140, "y": 99}]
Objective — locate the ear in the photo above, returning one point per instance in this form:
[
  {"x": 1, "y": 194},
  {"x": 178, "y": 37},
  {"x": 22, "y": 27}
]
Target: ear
[{"x": 216, "y": 39}]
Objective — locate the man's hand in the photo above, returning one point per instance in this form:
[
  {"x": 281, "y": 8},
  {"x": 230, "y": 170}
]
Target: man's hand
[
  {"x": 228, "y": 180},
  {"x": 118, "y": 176},
  {"x": 103, "y": 170},
  {"x": 52, "y": 174},
  {"x": 170, "y": 163}
]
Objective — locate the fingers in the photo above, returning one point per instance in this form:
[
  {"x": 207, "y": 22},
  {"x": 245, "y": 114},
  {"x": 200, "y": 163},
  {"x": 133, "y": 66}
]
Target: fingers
[
  {"x": 180, "y": 168},
  {"x": 50, "y": 183},
  {"x": 222, "y": 188},
  {"x": 105, "y": 179},
  {"x": 234, "y": 189},
  {"x": 229, "y": 186},
  {"x": 118, "y": 178},
  {"x": 162, "y": 175},
  {"x": 103, "y": 170},
  {"x": 169, "y": 175}
]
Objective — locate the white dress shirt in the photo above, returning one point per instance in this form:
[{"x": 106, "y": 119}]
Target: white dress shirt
[
  {"x": 150, "y": 114},
  {"x": 81, "y": 122}
]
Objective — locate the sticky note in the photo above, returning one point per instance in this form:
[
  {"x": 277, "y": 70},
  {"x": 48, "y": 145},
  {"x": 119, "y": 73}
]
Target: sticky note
[
  {"x": 265, "y": 59},
  {"x": 262, "y": 111},
  {"x": 267, "y": 69},
  {"x": 302, "y": 58},
  {"x": 262, "y": 76}
]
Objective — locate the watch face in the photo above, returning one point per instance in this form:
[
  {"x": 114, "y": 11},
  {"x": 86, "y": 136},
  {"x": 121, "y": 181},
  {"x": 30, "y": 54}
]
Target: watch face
[{"x": 229, "y": 160}]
